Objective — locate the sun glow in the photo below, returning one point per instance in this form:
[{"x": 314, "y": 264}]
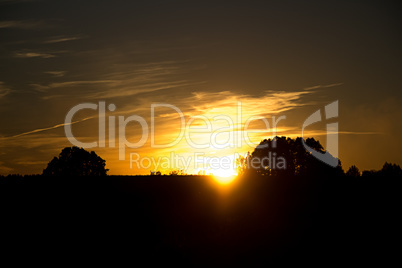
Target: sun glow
[{"x": 224, "y": 176}]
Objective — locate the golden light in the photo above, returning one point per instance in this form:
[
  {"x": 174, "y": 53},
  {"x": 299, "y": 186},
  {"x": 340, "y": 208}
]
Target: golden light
[
  {"x": 224, "y": 176},
  {"x": 214, "y": 134}
]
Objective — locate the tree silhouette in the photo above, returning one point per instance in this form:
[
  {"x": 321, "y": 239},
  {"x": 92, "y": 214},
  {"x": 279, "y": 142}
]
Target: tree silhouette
[
  {"x": 286, "y": 156},
  {"x": 353, "y": 171},
  {"x": 74, "y": 161},
  {"x": 391, "y": 170}
]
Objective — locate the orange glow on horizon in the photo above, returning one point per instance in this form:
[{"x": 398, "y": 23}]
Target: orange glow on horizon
[{"x": 224, "y": 176}]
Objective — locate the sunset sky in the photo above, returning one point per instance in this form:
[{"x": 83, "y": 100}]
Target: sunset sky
[{"x": 275, "y": 58}]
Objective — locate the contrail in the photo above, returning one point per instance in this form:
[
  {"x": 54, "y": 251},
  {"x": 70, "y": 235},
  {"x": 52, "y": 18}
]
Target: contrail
[{"x": 48, "y": 128}]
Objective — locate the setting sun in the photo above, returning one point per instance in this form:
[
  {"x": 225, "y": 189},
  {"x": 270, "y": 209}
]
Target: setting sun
[
  {"x": 224, "y": 176},
  {"x": 258, "y": 133}
]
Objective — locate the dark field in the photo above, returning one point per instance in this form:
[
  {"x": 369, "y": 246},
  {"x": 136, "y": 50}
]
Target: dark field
[{"x": 192, "y": 220}]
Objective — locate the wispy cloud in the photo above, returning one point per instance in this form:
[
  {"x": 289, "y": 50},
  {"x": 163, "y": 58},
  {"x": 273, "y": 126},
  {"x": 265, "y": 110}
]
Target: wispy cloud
[
  {"x": 29, "y": 162},
  {"x": 323, "y": 86},
  {"x": 137, "y": 79},
  {"x": 322, "y": 133},
  {"x": 56, "y": 73},
  {"x": 38, "y": 54},
  {"x": 43, "y": 88},
  {"x": 47, "y": 128},
  {"x": 272, "y": 102},
  {"x": 59, "y": 39},
  {"x": 34, "y": 55},
  {"x": 21, "y": 24},
  {"x": 4, "y": 90},
  {"x": 134, "y": 90},
  {"x": 38, "y": 142},
  {"x": 225, "y": 118},
  {"x": 129, "y": 80}
]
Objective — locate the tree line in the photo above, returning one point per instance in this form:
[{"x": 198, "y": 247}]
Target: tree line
[{"x": 279, "y": 156}]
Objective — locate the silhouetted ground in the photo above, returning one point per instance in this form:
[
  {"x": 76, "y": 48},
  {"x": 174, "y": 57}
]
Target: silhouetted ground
[{"x": 193, "y": 220}]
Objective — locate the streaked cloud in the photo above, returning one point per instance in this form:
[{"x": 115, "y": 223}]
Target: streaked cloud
[
  {"x": 39, "y": 54},
  {"x": 21, "y": 24},
  {"x": 56, "y": 73},
  {"x": 126, "y": 80},
  {"x": 318, "y": 132},
  {"x": 47, "y": 128},
  {"x": 209, "y": 105},
  {"x": 59, "y": 39},
  {"x": 43, "y": 88},
  {"x": 227, "y": 114},
  {"x": 35, "y": 140},
  {"x": 134, "y": 90},
  {"x": 34, "y": 55},
  {"x": 28, "y": 162},
  {"x": 323, "y": 86},
  {"x": 272, "y": 102},
  {"x": 4, "y": 90}
]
